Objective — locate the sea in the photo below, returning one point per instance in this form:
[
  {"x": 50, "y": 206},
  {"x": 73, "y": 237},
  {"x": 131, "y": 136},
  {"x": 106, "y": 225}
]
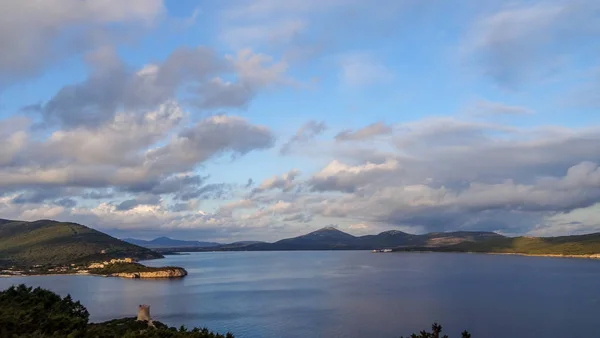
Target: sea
[{"x": 354, "y": 294}]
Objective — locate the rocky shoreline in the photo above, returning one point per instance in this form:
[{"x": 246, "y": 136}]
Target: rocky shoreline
[
  {"x": 167, "y": 273},
  {"x": 163, "y": 274}
]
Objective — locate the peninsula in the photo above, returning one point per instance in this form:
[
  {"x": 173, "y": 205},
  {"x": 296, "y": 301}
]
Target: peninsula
[{"x": 50, "y": 247}]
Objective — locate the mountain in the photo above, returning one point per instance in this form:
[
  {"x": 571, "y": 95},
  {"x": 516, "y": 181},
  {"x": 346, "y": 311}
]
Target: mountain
[
  {"x": 51, "y": 242},
  {"x": 166, "y": 242},
  {"x": 330, "y": 238},
  {"x": 576, "y": 245}
]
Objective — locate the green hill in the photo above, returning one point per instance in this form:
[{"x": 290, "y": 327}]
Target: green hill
[
  {"x": 56, "y": 243},
  {"x": 564, "y": 245},
  {"x": 330, "y": 238}
]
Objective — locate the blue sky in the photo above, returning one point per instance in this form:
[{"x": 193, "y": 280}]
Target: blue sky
[{"x": 263, "y": 119}]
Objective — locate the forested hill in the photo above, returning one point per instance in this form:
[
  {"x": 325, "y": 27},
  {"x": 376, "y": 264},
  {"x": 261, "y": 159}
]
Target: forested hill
[
  {"x": 51, "y": 242},
  {"x": 330, "y": 238},
  {"x": 575, "y": 245}
]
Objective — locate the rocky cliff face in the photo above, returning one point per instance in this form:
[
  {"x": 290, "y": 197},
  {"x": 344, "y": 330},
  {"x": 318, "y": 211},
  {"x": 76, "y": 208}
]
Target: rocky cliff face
[{"x": 166, "y": 273}]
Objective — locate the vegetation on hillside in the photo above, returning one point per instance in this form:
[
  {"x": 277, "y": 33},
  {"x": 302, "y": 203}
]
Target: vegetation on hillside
[
  {"x": 128, "y": 268},
  {"x": 48, "y": 242},
  {"x": 27, "y": 312},
  {"x": 564, "y": 245}
]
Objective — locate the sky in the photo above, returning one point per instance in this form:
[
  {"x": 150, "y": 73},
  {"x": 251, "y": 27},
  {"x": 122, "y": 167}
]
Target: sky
[{"x": 266, "y": 119}]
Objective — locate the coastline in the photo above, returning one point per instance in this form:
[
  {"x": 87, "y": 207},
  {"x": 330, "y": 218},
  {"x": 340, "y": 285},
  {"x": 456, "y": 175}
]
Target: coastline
[
  {"x": 590, "y": 256},
  {"x": 161, "y": 274}
]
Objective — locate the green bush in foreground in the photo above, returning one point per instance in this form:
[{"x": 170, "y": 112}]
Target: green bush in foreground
[{"x": 28, "y": 312}]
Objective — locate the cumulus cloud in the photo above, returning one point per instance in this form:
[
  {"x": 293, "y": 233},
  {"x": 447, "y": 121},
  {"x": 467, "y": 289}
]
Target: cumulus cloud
[
  {"x": 284, "y": 182},
  {"x": 111, "y": 86},
  {"x": 337, "y": 176}
]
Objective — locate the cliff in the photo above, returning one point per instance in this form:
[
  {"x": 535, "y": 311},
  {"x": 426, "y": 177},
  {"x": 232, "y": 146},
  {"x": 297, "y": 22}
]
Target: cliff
[{"x": 163, "y": 273}]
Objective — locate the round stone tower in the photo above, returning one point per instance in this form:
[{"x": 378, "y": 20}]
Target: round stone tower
[{"x": 144, "y": 313}]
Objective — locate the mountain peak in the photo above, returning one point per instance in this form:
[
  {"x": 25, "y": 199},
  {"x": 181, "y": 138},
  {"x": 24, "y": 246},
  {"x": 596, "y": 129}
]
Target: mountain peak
[
  {"x": 162, "y": 238},
  {"x": 393, "y": 233},
  {"x": 329, "y": 228}
]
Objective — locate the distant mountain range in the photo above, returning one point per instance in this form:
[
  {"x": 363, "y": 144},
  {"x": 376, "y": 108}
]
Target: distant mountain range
[
  {"x": 51, "y": 242},
  {"x": 330, "y": 238},
  {"x": 166, "y": 242}
]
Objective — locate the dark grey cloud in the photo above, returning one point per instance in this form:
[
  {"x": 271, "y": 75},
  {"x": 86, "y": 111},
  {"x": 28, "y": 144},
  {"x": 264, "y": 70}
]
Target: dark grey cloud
[
  {"x": 97, "y": 194},
  {"x": 66, "y": 202},
  {"x": 210, "y": 191},
  {"x": 370, "y": 131},
  {"x": 210, "y": 137},
  {"x": 301, "y": 218},
  {"x": 178, "y": 183},
  {"x": 38, "y": 195},
  {"x": 139, "y": 200},
  {"x": 305, "y": 133}
]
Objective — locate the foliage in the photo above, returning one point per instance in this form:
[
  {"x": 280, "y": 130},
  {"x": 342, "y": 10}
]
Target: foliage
[
  {"x": 128, "y": 268},
  {"x": 39, "y": 312},
  {"x": 129, "y": 327},
  {"x": 436, "y": 330},
  {"x": 564, "y": 245},
  {"x": 48, "y": 242},
  {"x": 27, "y": 312}
]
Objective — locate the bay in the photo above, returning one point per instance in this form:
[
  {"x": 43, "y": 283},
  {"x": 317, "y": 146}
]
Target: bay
[{"x": 353, "y": 294}]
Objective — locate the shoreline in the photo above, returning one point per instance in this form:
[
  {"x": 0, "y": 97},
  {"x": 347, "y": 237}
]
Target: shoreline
[
  {"x": 161, "y": 274},
  {"x": 588, "y": 256},
  {"x": 87, "y": 274}
]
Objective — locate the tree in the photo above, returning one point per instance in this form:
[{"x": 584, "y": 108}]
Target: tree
[
  {"x": 26, "y": 310},
  {"x": 436, "y": 330}
]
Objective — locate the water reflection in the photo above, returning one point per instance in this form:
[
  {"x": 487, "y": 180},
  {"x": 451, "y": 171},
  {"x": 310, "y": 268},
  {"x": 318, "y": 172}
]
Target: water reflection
[{"x": 353, "y": 294}]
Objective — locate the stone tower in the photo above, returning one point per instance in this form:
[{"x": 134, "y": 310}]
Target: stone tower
[{"x": 144, "y": 313}]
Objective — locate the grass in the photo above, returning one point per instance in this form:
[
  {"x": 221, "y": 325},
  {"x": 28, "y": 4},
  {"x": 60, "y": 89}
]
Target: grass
[
  {"x": 48, "y": 242},
  {"x": 564, "y": 245}
]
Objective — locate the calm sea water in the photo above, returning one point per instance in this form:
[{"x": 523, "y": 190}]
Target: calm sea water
[{"x": 354, "y": 294}]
